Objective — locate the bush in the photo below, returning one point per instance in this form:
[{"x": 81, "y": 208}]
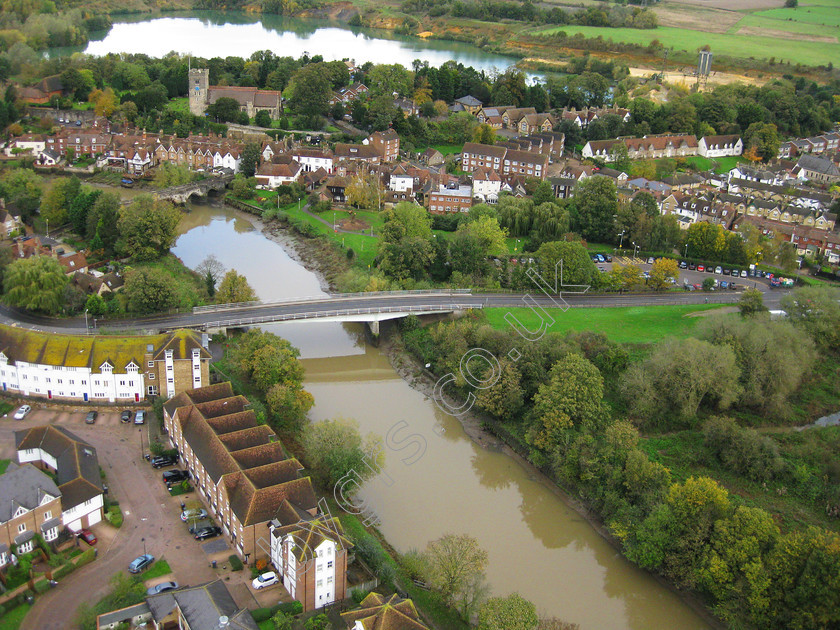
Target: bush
[
  {"x": 42, "y": 585},
  {"x": 235, "y": 562},
  {"x": 115, "y": 515},
  {"x": 290, "y": 608},
  {"x": 744, "y": 451},
  {"x": 261, "y": 614}
]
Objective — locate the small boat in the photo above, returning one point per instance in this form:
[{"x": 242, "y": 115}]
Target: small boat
[{"x": 126, "y": 182}]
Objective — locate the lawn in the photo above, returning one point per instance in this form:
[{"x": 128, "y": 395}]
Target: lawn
[
  {"x": 158, "y": 569},
  {"x": 637, "y": 324},
  {"x": 5, "y": 407},
  {"x": 744, "y": 46},
  {"x": 4, "y": 464},
  {"x": 12, "y": 619},
  {"x": 179, "y": 105},
  {"x": 364, "y": 246},
  {"x": 818, "y": 12},
  {"x": 720, "y": 165}
]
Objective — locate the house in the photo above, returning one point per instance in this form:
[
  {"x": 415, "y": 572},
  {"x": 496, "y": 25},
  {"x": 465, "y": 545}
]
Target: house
[
  {"x": 512, "y": 116},
  {"x": 73, "y": 263},
  {"x": 387, "y": 143},
  {"x": 451, "y": 199},
  {"x": 535, "y": 123},
  {"x": 524, "y": 164},
  {"x": 348, "y": 94},
  {"x": 34, "y": 144},
  {"x": 99, "y": 284},
  {"x": 400, "y": 180},
  {"x": 208, "y": 606},
  {"x": 44, "y": 90},
  {"x": 684, "y": 181},
  {"x": 310, "y": 553},
  {"x": 380, "y": 612},
  {"x": 366, "y": 153},
  {"x": 74, "y": 462},
  {"x": 112, "y": 368},
  {"x": 271, "y": 176},
  {"x": 312, "y": 159},
  {"x": 30, "y": 504},
  {"x": 432, "y": 157},
  {"x": 8, "y": 222},
  {"x": 563, "y": 187},
  {"x": 313, "y": 179},
  {"x": 816, "y": 169},
  {"x": 720, "y": 146},
  {"x": 486, "y": 185},
  {"x": 469, "y": 103},
  {"x": 488, "y": 156},
  {"x": 250, "y": 99},
  {"x": 651, "y": 147},
  {"x": 48, "y": 157},
  {"x": 407, "y": 107},
  {"x": 239, "y": 467},
  {"x": 336, "y": 187}
]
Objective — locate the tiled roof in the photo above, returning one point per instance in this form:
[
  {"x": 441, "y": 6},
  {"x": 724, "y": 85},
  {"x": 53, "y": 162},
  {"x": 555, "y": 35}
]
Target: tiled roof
[
  {"x": 202, "y": 606},
  {"x": 379, "y": 612},
  {"x": 23, "y": 486}
]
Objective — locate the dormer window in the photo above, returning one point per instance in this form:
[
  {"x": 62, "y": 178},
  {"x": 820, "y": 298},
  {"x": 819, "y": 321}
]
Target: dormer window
[{"x": 106, "y": 368}]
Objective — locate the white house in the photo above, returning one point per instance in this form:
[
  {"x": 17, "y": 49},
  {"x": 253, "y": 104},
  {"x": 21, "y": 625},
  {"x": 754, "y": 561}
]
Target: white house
[
  {"x": 84, "y": 368},
  {"x": 75, "y": 464},
  {"x": 720, "y": 146},
  {"x": 227, "y": 159},
  {"x": 486, "y": 184},
  {"x": 313, "y": 159},
  {"x": 271, "y": 176},
  {"x": 34, "y": 144}
]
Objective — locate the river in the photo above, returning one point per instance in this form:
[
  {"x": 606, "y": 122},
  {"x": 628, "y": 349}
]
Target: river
[
  {"x": 537, "y": 544},
  {"x": 230, "y": 33}
]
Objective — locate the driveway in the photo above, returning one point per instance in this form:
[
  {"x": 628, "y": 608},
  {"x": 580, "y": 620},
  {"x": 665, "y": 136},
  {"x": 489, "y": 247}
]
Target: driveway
[{"x": 150, "y": 514}]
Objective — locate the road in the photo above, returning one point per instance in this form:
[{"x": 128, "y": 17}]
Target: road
[
  {"x": 149, "y": 512},
  {"x": 323, "y": 306}
]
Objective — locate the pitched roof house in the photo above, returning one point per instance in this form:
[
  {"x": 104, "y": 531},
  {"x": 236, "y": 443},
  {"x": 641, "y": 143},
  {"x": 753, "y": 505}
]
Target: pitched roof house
[
  {"x": 380, "y": 612},
  {"x": 30, "y": 504}
]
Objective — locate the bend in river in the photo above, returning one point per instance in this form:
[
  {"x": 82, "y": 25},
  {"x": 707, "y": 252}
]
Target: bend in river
[{"x": 537, "y": 544}]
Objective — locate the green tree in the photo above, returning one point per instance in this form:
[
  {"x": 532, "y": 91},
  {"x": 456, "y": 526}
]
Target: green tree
[
  {"x": 454, "y": 562},
  {"x": 95, "y": 305},
  {"x": 78, "y": 211},
  {"x": 225, "y": 109},
  {"x": 406, "y": 234},
  {"x": 211, "y": 271},
  {"x": 102, "y": 221},
  {"x": 149, "y": 291},
  {"x": 275, "y": 363},
  {"x": 817, "y": 311},
  {"x": 263, "y": 119},
  {"x": 593, "y": 207},
  {"x": 751, "y": 303},
  {"x": 513, "y": 612},
  {"x": 288, "y": 402},
  {"x": 505, "y": 398},
  {"x": 250, "y": 159},
  {"x": 577, "y": 267},
  {"x": 56, "y": 203},
  {"x": 148, "y": 227},
  {"x": 335, "y": 449},
  {"x": 484, "y": 134},
  {"x": 385, "y": 79},
  {"x": 572, "y": 397},
  {"x": 487, "y": 232},
  {"x": 282, "y": 621},
  {"x": 234, "y": 288},
  {"x": 35, "y": 284},
  {"x": 22, "y": 188},
  {"x": 663, "y": 271},
  {"x": 311, "y": 90},
  {"x": 765, "y": 138},
  {"x": 319, "y": 622}
]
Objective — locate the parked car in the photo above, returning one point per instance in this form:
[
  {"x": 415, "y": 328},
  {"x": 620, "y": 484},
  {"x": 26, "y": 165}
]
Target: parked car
[
  {"x": 125, "y": 416},
  {"x": 140, "y": 563},
  {"x": 698, "y": 286},
  {"x": 724, "y": 284},
  {"x": 207, "y": 532},
  {"x": 688, "y": 287},
  {"x": 265, "y": 580},
  {"x": 692, "y": 266},
  {"x": 20, "y": 414},
  {"x": 600, "y": 258},
  {"x": 90, "y": 418},
  {"x": 198, "y": 525},
  {"x": 164, "y": 460},
  {"x": 140, "y": 417},
  {"x": 193, "y": 514},
  {"x": 683, "y": 264},
  {"x": 718, "y": 270},
  {"x": 650, "y": 260},
  {"x": 88, "y": 536},
  {"x": 607, "y": 257},
  {"x": 701, "y": 268},
  {"x": 710, "y": 269},
  {"x": 174, "y": 476},
  {"x": 162, "y": 588},
  {"x": 744, "y": 273}
]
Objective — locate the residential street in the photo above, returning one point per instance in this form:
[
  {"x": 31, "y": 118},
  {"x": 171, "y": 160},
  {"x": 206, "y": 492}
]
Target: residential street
[{"x": 149, "y": 513}]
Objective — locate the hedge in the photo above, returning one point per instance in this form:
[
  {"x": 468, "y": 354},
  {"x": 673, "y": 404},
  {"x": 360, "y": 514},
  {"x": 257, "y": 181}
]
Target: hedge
[{"x": 264, "y": 614}]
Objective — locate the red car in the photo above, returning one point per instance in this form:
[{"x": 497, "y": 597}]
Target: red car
[{"x": 88, "y": 536}]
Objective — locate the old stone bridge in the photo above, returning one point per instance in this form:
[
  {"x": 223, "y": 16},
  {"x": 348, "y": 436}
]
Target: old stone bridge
[{"x": 181, "y": 194}]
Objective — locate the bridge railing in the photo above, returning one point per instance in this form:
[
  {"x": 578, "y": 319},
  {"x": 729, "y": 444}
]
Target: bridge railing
[
  {"x": 214, "y": 308},
  {"x": 247, "y": 321}
]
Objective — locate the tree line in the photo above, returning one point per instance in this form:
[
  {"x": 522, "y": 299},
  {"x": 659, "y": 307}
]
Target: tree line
[{"x": 577, "y": 403}]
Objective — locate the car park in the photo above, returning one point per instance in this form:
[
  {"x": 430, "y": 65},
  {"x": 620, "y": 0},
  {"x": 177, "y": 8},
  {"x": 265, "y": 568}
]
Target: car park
[
  {"x": 125, "y": 416},
  {"x": 140, "y": 417},
  {"x": 20, "y": 414},
  {"x": 90, "y": 418},
  {"x": 164, "y": 460},
  {"x": 175, "y": 476},
  {"x": 140, "y": 563},
  {"x": 264, "y": 580},
  {"x": 162, "y": 588},
  {"x": 718, "y": 270},
  {"x": 207, "y": 532},
  {"x": 193, "y": 514},
  {"x": 88, "y": 536}
]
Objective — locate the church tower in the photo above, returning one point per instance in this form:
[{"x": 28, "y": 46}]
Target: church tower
[{"x": 198, "y": 84}]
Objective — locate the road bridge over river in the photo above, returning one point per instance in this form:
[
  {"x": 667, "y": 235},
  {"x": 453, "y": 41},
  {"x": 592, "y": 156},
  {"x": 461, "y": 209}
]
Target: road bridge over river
[{"x": 371, "y": 308}]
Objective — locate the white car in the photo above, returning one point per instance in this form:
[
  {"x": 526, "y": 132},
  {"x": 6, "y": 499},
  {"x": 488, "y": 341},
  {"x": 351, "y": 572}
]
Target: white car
[
  {"x": 264, "y": 580},
  {"x": 20, "y": 414}
]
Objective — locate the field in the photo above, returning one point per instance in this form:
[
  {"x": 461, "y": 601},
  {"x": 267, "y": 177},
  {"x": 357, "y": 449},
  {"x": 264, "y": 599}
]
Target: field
[
  {"x": 642, "y": 324},
  {"x": 364, "y": 246},
  {"x": 730, "y": 44}
]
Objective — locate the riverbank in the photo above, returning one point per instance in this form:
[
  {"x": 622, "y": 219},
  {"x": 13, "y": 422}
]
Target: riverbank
[{"x": 413, "y": 372}]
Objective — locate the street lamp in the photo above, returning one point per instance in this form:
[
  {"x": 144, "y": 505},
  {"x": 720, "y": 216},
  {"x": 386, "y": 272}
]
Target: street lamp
[
  {"x": 622, "y": 239},
  {"x": 635, "y": 249},
  {"x": 143, "y": 540},
  {"x": 685, "y": 255},
  {"x": 86, "y": 320}
]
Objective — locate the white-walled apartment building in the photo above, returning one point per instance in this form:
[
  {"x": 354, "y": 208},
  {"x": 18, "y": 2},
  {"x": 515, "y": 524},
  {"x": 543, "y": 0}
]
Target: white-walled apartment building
[
  {"x": 76, "y": 465},
  {"x": 96, "y": 368},
  {"x": 720, "y": 146},
  {"x": 313, "y": 159}
]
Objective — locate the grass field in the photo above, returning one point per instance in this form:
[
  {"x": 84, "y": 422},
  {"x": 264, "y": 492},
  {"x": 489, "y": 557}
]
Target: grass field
[
  {"x": 641, "y": 324},
  {"x": 364, "y": 246},
  {"x": 721, "y": 165},
  {"x": 4, "y": 464},
  {"x": 12, "y": 619},
  {"x": 745, "y": 46},
  {"x": 158, "y": 569}
]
